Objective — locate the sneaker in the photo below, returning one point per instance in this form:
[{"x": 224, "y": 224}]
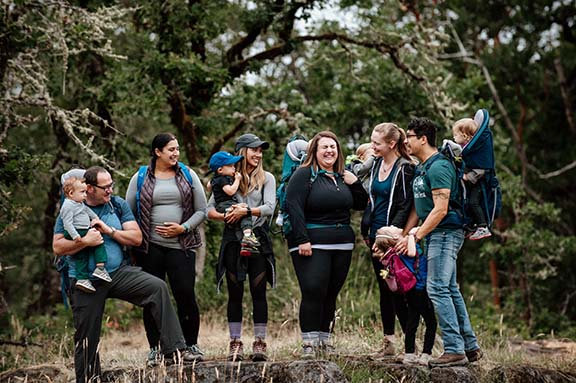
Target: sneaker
[
  {"x": 85, "y": 285},
  {"x": 155, "y": 357},
  {"x": 251, "y": 240},
  {"x": 259, "y": 351},
  {"x": 100, "y": 272},
  {"x": 247, "y": 249},
  {"x": 192, "y": 353},
  {"x": 449, "y": 360},
  {"x": 424, "y": 359},
  {"x": 236, "y": 350},
  {"x": 410, "y": 358},
  {"x": 474, "y": 355},
  {"x": 481, "y": 232},
  {"x": 308, "y": 350}
]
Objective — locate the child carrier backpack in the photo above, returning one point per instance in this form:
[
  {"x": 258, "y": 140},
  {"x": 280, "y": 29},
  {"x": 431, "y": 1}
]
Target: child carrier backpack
[
  {"x": 294, "y": 156},
  {"x": 479, "y": 154},
  {"x": 399, "y": 278}
]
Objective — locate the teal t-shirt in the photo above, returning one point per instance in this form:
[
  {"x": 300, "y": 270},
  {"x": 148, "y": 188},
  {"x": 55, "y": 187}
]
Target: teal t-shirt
[
  {"x": 114, "y": 251},
  {"x": 441, "y": 175}
]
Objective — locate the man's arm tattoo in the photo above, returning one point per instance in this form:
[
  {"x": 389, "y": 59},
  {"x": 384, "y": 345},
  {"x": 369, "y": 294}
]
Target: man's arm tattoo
[{"x": 441, "y": 195}]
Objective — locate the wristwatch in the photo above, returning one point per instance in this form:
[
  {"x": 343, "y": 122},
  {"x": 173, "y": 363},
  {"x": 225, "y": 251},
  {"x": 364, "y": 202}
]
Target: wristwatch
[
  {"x": 186, "y": 227},
  {"x": 248, "y": 211},
  {"x": 113, "y": 231}
]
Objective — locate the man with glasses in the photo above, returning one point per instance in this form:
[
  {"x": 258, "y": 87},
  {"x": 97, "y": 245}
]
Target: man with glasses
[
  {"x": 129, "y": 283},
  {"x": 435, "y": 185}
]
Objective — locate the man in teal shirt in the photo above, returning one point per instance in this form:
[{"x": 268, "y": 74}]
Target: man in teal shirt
[
  {"x": 129, "y": 283},
  {"x": 435, "y": 185}
]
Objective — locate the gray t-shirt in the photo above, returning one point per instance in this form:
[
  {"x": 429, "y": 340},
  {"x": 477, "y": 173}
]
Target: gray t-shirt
[
  {"x": 76, "y": 215},
  {"x": 167, "y": 206},
  {"x": 264, "y": 199}
]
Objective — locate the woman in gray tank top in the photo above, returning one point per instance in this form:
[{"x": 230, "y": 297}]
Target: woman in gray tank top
[{"x": 169, "y": 203}]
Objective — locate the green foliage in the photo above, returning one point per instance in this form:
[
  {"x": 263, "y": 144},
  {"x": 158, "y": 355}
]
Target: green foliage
[
  {"x": 168, "y": 66},
  {"x": 17, "y": 171}
]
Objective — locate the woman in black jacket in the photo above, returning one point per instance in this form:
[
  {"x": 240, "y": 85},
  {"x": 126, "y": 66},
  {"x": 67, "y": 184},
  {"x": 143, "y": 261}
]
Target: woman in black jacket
[
  {"x": 319, "y": 197},
  {"x": 391, "y": 199}
]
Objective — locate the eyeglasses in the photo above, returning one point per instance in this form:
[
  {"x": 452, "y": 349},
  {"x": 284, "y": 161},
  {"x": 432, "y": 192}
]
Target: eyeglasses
[
  {"x": 106, "y": 187},
  {"x": 411, "y": 135}
]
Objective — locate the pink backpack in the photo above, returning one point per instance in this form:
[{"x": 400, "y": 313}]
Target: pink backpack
[{"x": 398, "y": 277}]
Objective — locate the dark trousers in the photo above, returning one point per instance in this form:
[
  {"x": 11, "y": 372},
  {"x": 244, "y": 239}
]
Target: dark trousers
[
  {"x": 419, "y": 305},
  {"x": 392, "y": 305},
  {"x": 130, "y": 284},
  {"x": 255, "y": 267},
  {"x": 321, "y": 277},
  {"x": 180, "y": 267},
  {"x": 475, "y": 203}
]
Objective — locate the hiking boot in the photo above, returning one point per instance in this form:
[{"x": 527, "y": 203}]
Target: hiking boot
[
  {"x": 424, "y": 359},
  {"x": 327, "y": 349},
  {"x": 155, "y": 358},
  {"x": 100, "y": 272},
  {"x": 449, "y": 360},
  {"x": 474, "y": 355},
  {"x": 387, "y": 349},
  {"x": 308, "y": 350},
  {"x": 236, "y": 350},
  {"x": 259, "y": 351},
  {"x": 410, "y": 358},
  {"x": 192, "y": 353},
  {"x": 481, "y": 232},
  {"x": 85, "y": 285}
]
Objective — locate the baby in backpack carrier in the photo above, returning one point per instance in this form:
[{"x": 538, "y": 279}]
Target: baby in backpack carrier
[
  {"x": 463, "y": 130},
  {"x": 417, "y": 300}
]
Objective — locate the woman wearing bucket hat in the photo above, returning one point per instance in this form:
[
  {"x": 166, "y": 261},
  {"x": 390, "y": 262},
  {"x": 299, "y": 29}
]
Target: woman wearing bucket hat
[
  {"x": 257, "y": 197},
  {"x": 169, "y": 203}
]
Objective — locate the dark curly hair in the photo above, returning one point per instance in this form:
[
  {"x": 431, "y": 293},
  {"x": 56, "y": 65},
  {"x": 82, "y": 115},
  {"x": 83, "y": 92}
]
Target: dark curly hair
[{"x": 424, "y": 127}]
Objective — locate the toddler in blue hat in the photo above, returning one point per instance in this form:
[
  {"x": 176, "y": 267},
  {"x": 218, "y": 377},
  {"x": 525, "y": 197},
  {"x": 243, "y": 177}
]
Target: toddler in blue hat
[{"x": 224, "y": 186}]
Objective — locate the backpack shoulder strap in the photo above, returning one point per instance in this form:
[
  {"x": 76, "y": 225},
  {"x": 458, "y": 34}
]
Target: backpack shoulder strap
[
  {"x": 141, "y": 175},
  {"x": 117, "y": 207},
  {"x": 186, "y": 172}
]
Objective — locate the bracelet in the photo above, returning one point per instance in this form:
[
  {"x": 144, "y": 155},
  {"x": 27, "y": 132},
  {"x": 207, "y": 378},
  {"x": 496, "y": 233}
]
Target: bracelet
[
  {"x": 186, "y": 227},
  {"x": 248, "y": 212}
]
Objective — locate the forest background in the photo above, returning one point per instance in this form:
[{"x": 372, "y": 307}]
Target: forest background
[{"x": 91, "y": 82}]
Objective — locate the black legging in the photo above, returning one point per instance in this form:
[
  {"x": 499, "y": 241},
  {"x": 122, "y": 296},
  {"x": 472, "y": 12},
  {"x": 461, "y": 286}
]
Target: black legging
[
  {"x": 321, "y": 277},
  {"x": 180, "y": 266},
  {"x": 475, "y": 203},
  {"x": 256, "y": 268},
  {"x": 391, "y": 304},
  {"x": 420, "y": 305}
]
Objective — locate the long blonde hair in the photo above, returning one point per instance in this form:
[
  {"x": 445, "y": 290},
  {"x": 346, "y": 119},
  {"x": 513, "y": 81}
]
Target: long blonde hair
[
  {"x": 392, "y": 132},
  {"x": 252, "y": 181}
]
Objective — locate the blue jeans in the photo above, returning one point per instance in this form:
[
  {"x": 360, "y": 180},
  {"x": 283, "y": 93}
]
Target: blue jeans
[{"x": 457, "y": 333}]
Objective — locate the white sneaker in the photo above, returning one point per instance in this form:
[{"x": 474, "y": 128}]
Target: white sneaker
[
  {"x": 481, "y": 232},
  {"x": 100, "y": 272},
  {"x": 85, "y": 285},
  {"x": 424, "y": 359},
  {"x": 410, "y": 358}
]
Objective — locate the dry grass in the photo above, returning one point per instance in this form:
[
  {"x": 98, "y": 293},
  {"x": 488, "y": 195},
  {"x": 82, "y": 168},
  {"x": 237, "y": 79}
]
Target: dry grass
[{"x": 130, "y": 348}]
